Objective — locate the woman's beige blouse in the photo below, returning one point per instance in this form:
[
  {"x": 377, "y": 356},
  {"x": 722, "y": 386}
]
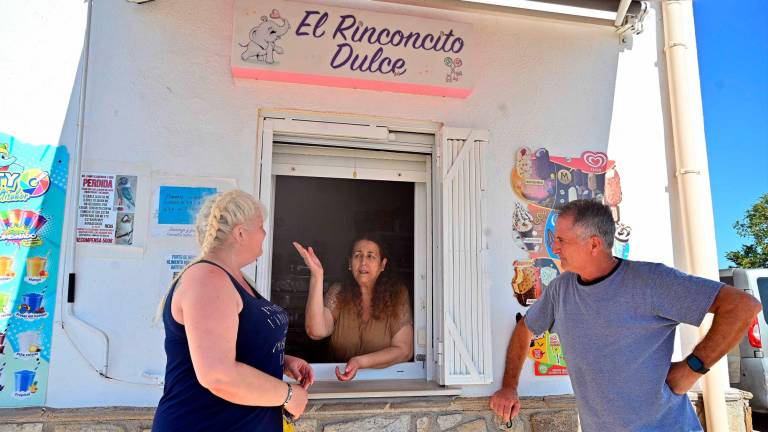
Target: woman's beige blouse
[{"x": 352, "y": 337}]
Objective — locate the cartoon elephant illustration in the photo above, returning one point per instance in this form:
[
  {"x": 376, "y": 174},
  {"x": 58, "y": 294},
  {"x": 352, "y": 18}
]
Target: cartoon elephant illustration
[{"x": 263, "y": 37}]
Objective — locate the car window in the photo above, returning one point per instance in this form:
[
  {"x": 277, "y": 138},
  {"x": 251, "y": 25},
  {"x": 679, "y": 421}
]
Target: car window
[{"x": 762, "y": 288}]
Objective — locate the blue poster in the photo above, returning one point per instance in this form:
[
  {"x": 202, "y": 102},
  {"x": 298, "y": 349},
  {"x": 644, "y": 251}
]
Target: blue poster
[
  {"x": 33, "y": 181},
  {"x": 179, "y": 204}
]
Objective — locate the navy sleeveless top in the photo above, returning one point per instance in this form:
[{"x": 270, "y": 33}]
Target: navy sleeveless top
[{"x": 188, "y": 406}]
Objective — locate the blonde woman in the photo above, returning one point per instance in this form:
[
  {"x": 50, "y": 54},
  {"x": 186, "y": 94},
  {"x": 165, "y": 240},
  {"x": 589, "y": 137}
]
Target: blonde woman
[
  {"x": 225, "y": 343},
  {"x": 368, "y": 317}
]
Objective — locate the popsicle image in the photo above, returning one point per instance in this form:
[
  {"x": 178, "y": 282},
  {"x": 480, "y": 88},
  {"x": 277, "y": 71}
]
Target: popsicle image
[{"x": 612, "y": 196}]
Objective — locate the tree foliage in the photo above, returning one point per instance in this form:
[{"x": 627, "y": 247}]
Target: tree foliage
[{"x": 754, "y": 226}]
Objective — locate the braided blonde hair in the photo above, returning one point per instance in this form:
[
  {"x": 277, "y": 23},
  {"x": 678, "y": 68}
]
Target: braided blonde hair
[
  {"x": 214, "y": 223},
  {"x": 220, "y": 214}
]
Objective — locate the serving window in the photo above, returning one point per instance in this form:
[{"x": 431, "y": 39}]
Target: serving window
[
  {"x": 418, "y": 188},
  {"x": 327, "y": 213}
]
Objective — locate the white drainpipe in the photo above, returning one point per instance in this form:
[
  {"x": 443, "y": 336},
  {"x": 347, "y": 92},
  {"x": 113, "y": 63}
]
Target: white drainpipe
[
  {"x": 692, "y": 176},
  {"x": 96, "y": 350}
]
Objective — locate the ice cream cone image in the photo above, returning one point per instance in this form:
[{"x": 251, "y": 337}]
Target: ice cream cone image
[{"x": 522, "y": 222}]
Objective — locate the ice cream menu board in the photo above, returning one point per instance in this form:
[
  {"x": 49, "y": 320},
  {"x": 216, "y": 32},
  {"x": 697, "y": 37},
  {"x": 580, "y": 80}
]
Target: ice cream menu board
[
  {"x": 543, "y": 184},
  {"x": 33, "y": 181}
]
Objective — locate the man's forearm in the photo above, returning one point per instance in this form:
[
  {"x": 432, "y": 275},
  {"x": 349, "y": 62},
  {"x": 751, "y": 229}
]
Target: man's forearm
[
  {"x": 516, "y": 353},
  {"x": 733, "y": 315}
]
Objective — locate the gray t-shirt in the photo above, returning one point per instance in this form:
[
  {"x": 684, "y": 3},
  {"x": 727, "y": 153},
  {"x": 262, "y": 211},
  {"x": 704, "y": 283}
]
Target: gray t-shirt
[{"x": 618, "y": 336}]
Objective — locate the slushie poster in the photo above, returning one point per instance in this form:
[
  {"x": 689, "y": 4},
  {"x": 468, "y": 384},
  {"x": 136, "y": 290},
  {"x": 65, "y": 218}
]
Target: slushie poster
[{"x": 33, "y": 181}]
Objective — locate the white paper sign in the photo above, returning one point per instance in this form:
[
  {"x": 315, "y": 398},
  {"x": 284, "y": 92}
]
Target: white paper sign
[
  {"x": 106, "y": 209},
  {"x": 174, "y": 264},
  {"x": 96, "y": 214}
]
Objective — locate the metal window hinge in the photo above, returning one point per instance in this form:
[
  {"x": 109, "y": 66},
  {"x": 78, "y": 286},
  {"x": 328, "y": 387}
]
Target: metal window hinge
[{"x": 632, "y": 25}]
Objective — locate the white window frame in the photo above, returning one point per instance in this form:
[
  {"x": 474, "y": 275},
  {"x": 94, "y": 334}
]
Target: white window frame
[
  {"x": 451, "y": 360},
  {"x": 341, "y": 163}
]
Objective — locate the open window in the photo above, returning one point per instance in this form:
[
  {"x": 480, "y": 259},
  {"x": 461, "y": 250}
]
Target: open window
[{"x": 325, "y": 179}]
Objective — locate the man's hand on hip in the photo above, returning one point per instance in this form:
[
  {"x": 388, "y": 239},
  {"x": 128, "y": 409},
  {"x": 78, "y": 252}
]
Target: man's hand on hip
[
  {"x": 681, "y": 378},
  {"x": 505, "y": 403}
]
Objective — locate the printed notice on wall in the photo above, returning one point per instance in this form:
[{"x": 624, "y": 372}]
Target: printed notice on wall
[
  {"x": 175, "y": 208},
  {"x": 106, "y": 209},
  {"x": 174, "y": 264}
]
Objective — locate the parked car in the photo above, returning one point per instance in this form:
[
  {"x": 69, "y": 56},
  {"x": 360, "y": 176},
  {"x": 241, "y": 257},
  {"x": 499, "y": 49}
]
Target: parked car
[{"x": 747, "y": 364}]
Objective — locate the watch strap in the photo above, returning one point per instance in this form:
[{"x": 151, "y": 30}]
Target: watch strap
[{"x": 696, "y": 364}]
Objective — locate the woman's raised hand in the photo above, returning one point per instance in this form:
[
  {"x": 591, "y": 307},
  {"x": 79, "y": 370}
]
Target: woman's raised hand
[{"x": 310, "y": 259}]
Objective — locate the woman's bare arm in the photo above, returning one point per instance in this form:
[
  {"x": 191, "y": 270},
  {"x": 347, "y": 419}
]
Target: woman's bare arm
[
  {"x": 205, "y": 292},
  {"x": 318, "y": 320}
]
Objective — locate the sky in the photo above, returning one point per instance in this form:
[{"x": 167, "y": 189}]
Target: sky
[{"x": 732, "y": 43}]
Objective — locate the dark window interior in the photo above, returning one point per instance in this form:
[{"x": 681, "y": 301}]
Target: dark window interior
[{"x": 327, "y": 214}]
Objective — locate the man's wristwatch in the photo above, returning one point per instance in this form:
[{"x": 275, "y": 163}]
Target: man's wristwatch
[
  {"x": 289, "y": 395},
  {"x": 696, "y": 364}
]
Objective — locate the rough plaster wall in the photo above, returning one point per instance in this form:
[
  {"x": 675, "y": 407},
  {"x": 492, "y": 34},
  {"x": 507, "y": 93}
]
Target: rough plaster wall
[{"x": 161, "y": 100}]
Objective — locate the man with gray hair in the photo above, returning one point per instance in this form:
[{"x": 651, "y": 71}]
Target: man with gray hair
[{"x": 616, "y": 320}]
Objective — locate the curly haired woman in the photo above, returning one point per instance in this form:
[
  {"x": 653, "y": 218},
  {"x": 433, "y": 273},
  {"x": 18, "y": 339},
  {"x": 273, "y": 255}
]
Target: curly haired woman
[{"x": 368, "y": 317}]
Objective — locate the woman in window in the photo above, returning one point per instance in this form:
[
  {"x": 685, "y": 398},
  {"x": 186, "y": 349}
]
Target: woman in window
[
  {"x": 368, "y": 317},
  {"x": 224, "y": 342}
]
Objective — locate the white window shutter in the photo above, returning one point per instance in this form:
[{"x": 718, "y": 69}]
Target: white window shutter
[
  {"x": 464, "y": 349},
  {"x": 265, "y": 189}
]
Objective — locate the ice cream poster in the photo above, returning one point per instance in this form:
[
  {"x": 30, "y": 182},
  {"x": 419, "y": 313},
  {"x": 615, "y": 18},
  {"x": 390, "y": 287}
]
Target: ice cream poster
[
  {"x": 106, "y": 209},
  {"x": 543, "y": 184},
  {"x": 547, "y": 354},
  {"x": 33, "y": 181}
]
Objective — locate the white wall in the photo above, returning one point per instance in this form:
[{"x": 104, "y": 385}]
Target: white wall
[{"x": 161, "y": 101}]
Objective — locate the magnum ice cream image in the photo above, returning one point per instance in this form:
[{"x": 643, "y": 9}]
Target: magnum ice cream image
[{"x": 526, "y": 283}]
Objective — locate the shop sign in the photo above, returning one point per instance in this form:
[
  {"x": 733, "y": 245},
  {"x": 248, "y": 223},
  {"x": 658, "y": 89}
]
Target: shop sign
[{"x": 313, "y": 44}]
